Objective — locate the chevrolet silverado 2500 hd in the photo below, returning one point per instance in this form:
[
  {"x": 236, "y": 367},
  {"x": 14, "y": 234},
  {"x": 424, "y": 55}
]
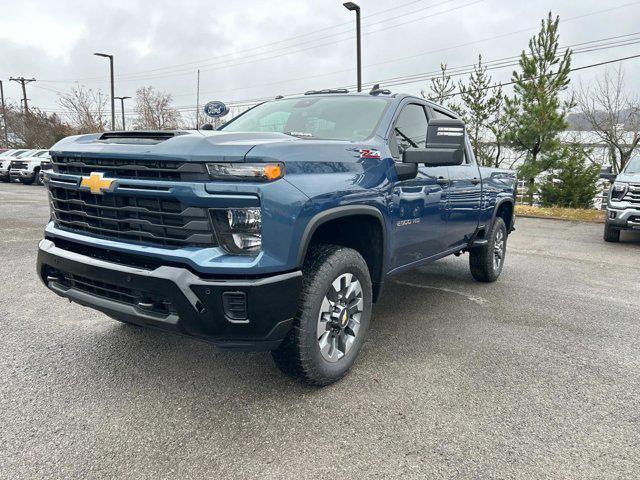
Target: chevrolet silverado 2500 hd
[{"x": 276, "y": 232}]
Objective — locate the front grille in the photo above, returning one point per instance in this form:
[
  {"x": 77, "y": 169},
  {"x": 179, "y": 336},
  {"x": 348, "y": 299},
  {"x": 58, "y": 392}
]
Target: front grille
[
  {"x": 144, "y": 301},
  {"x": 158, "y": 221},
  {"x": 633, "y": 194},
  {"x": 168, "y": 170},
  {"x": 18, "y": 165}
]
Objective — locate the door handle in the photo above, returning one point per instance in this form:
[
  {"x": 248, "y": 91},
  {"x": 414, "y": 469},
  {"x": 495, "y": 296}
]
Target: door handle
[
  {"x": 475, "y": 181},
  {"x": 442, "y": 181}
]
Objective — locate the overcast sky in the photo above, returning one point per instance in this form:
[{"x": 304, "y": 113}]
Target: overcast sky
[{"x": 249, "y": 49}]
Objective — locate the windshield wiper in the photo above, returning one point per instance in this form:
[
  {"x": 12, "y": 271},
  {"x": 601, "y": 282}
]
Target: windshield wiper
[
  {"x": 299, "y": 134},
  {"x": 413, "y": 144}
]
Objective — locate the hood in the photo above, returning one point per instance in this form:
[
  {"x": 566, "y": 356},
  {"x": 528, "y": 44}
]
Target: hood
[
  {"x": 176, "y": 145},
  {"x": 628, "y": 177}
]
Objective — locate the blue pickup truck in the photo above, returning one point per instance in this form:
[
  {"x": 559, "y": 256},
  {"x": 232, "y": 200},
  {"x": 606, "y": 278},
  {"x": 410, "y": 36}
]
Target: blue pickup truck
[{"x": 279, "y": 230}]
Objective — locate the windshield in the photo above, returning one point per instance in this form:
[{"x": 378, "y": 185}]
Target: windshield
[
  {"x": 27, "y": 153},
  {"x": 634, "y": 165},
  {"x": 328, "y": 118}
]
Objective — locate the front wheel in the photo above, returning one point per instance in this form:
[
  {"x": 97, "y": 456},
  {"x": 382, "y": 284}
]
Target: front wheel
[
  {"x": 486, "y": 262},
  {"x": 333, "y": 317},
  {"x": 39, "y": 176}
]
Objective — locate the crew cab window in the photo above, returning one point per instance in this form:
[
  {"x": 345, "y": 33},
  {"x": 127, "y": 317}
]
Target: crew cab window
[
  {"x": 353, "y": 118},
  {"x": 410, "y": 129}
]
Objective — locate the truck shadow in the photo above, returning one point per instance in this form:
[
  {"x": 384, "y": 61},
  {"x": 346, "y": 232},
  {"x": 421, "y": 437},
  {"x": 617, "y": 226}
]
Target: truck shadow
[{"x": 135, "y": 359}]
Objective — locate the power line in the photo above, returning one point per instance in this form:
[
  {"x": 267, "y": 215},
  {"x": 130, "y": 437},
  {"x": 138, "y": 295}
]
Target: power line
[{"x": 456, "y": 71}]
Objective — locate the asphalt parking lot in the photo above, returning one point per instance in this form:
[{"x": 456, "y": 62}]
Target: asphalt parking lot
[{"x": 535, "y": 376}]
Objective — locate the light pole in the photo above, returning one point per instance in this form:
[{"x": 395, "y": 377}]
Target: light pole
[
  {"x": 113, "y": 111},
  {"x": 122, "y": 99},
  {"x": 4, "y": 118},
  {"x": 355, "y": 8}
]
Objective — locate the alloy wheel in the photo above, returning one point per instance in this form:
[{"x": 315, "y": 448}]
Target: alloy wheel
[
  {"x": 339, "y": 317},
  {"x": 499, "y": 249}
]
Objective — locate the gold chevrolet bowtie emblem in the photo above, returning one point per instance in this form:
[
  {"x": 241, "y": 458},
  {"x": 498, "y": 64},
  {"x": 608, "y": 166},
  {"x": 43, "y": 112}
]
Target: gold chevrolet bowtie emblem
[{"x": 96, "y": 183}]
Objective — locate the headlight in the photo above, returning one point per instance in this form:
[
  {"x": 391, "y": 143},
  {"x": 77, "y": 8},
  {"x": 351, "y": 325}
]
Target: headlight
[
  {"x": 619, "y": 190},
  {"x": 261, "y": 172},
  {"x": 239, "y": 230}
]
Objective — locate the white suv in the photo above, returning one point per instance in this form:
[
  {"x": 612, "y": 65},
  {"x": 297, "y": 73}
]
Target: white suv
[
  {"x": 5, "y": 161},
  {"x": 26, "y": 167}
]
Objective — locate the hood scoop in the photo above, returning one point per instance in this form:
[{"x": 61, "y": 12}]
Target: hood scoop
[{"x": 138, "y": 137}]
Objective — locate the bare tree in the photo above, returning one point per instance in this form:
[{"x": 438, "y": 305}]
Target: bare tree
[
  {"x": 155, "y": 111},
  {"x": 38, "y": 129},
  {"x": 86, "y": 109},
  {"x": 614, "y": 114}
]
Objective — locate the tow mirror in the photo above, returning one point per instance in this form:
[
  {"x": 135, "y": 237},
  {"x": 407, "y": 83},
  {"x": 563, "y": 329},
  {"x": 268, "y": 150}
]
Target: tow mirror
[
  {"x": 608, "y": 176},
  {"x": 445, "y": 145},
  {"x": 607, "y": 173}
]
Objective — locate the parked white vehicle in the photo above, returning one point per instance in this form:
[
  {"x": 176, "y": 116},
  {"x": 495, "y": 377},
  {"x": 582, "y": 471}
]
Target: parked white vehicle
[
  {"x": 26, "y": 167},
  {"x": 5, "y": 161}
]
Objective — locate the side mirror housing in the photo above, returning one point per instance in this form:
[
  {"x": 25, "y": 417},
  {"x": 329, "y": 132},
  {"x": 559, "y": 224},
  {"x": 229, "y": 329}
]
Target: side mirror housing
[
  {"x": 608, "y": 176},
  {"x": 445, "y": 145}
]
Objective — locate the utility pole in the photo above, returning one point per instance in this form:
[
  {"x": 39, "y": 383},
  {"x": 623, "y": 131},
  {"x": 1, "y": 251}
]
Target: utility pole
[
  {"x": 122, "y": 99},
  {"x": 198, "y": 103},
  {"x": 4, "y": 118},
  {"x": 355, "y": 8},
  {"x": 23, "y": 81},
  {"x": 113, "y": 111}
]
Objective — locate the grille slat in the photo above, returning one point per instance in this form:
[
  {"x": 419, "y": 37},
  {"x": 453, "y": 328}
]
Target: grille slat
[
  {"x": 137, "y": 169},
  {"x": 159, "y": 221},
  {"x": 633, "y": 195}
]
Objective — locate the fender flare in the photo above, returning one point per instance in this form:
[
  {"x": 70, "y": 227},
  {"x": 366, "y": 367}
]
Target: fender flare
[
  {"x": 340, "y": 212},
  {"x": 499, "y": 203}
]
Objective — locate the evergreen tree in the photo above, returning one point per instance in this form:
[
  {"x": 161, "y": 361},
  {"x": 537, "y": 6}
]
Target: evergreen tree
[
  {"x": 573, "y": 183},
  {"x": 441, "y": 87},
  {"x": 481, "y": 105},
  {"x": 536, "y": 115}
]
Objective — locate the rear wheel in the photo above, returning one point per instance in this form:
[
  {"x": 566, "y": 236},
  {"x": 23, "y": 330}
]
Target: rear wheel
[
  {"x": 611, "y": 234},
  {"x": 486, "y": 262},
  {"x": 333, "y": 317}
]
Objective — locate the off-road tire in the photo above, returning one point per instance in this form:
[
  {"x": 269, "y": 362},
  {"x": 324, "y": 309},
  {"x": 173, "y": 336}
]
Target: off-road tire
[
  {"x": 299, "y": 355},
  {"x": 482, "y": 259},
  {"x": 611, "y": 234}
]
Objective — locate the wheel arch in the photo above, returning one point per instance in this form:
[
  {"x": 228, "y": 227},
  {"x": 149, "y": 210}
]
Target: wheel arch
[
  {"x": 372, "y": 249},
  {"x": 505, "y": 208}
]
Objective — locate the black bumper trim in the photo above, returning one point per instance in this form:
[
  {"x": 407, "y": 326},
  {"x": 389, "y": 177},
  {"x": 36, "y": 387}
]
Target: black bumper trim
[{"x": 197, "y": 306}]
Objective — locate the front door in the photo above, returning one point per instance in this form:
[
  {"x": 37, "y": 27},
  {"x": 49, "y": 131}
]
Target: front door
[{"x": 418, "y": 206}]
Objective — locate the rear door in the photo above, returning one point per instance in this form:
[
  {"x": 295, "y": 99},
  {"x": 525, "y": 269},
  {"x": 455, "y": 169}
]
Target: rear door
[
  {"x": 418, "y": 206},
  {"x": 463, "y": 196}
]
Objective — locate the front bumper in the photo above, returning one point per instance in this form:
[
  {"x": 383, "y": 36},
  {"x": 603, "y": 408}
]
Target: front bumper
[
  {"x": 21, "y": 174},
  {"x": 623, "y": 218},
  {"x": 175, "y": 299}
]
